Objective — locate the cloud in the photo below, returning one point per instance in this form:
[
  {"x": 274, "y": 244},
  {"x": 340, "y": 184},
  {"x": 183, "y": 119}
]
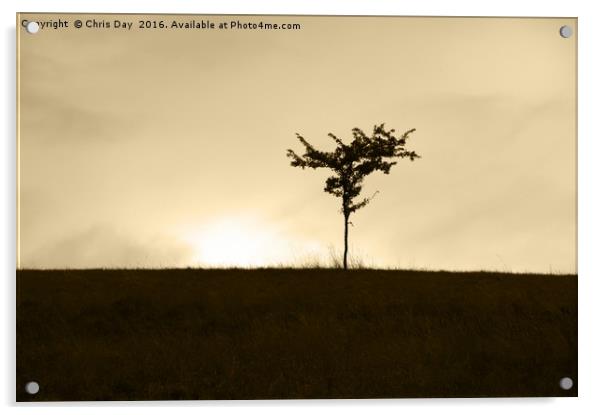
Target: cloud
[{"x": 103, "y": 246}]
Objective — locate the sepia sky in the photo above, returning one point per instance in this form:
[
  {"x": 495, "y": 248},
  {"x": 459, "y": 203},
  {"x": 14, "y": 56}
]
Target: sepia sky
[{"x": 166, "y": 147}]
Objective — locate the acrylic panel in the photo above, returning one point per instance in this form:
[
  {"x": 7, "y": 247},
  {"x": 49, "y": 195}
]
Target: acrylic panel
[{"x": 295, "y": 207}]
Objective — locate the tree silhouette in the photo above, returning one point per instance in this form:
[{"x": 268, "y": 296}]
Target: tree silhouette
[{"x": 352, "y": 162}]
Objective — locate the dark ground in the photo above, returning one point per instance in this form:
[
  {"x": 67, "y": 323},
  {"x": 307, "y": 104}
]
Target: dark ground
[{"x": 281, "y": 333}]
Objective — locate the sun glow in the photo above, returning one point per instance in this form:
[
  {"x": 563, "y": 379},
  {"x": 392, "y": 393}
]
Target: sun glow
[{"x": 236, "y": 242}]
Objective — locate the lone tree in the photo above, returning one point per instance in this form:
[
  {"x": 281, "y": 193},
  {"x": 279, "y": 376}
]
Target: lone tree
[{"x": 352, "y": 162}]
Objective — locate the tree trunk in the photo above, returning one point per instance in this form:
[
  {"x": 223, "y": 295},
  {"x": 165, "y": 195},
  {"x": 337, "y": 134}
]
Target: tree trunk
[{"x": 346, "y": 243}]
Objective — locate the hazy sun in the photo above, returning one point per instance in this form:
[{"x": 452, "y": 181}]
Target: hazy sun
[{"x": 235, "y": 242}]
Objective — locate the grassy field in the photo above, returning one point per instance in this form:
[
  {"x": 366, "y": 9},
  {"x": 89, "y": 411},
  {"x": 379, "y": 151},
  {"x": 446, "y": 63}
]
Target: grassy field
[{"x": 282, "y": 333}]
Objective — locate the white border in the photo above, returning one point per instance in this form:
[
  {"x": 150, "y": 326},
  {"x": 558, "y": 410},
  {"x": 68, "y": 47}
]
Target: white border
[{"x": 590, "y": 206}]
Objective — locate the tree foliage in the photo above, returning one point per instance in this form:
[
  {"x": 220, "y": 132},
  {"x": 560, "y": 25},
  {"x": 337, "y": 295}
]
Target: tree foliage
[{"x": 352, "y": 162}]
